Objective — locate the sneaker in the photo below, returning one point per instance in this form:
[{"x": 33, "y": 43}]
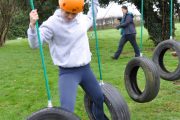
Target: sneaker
[{"x": 114, "y": 58}]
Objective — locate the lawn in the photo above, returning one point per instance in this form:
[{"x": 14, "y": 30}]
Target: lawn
[{"x": 22, "y": 89}]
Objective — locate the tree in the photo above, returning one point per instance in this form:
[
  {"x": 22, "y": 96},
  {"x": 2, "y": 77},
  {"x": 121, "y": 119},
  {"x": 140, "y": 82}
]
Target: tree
[
  {"x": 7, "y": 10},
  {"x": 12, "y": 10},
  {"x": 157, "y": 21},
  {"x": 45, "y": 8}
]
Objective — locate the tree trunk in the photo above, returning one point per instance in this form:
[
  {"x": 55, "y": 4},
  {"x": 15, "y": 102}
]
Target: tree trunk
[
  {"x": 7, "y": 10},
  {"x": 4, "y": 30},
  {"x": 179, "y": 14},
  {"x": 3, "y": 37}
]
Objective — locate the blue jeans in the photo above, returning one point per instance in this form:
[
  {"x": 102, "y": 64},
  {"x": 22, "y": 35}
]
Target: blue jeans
[
  {"x": 132, "y": 39},
  {"x": 69, "y": 80}
]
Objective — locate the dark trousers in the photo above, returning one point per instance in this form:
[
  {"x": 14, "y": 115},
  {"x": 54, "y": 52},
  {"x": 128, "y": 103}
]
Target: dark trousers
[
  {"x": 69, "y": 80},
  {"x": 132, "y": 39}
]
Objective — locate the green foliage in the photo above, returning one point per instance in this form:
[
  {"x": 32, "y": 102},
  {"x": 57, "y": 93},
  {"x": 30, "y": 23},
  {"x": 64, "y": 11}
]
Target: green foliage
[
  {"x": 20, "y": 21},
  {"x": 45, "y": 8},
  {"x": 157, "y": 21},
  {"x": 19, "y": 25}
]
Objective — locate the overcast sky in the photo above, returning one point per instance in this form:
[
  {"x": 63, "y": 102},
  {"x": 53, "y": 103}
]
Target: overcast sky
[{"x": 114, "y": 10}]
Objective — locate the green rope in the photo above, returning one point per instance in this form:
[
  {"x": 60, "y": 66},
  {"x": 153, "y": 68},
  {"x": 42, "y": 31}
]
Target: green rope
[
  {"x": 96, "y": 37},
  {"x": 42, "y": 57},
  {"x": 142, "y": 24},
  {"x": 171, "y": 18}
]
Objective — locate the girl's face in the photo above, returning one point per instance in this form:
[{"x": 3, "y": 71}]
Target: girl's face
[{"x": 68, "y": 16}]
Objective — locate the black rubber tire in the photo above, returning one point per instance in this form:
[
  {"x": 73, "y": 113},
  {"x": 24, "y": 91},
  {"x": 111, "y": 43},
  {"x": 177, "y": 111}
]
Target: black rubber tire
[
  {"x": 113, "y": 100},
  {"x": 53, "y": 114},
  {"x": 158, "y": 56},
  {"x": 152, "y": 79}
]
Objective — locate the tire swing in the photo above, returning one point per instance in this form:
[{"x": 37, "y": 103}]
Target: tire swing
[
  {"x": 49, "y": 113},
  {"x": 152, "y": 80},
  {"x": 150, "y": 71},
  {"x": 161, "y": 50},
  {"x": 53, "y": 113},
  {"x": 115, "y": 103}
]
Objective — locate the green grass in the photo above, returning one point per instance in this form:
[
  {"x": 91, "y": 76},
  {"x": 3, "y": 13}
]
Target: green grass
[{"x": 22, "y": 89}]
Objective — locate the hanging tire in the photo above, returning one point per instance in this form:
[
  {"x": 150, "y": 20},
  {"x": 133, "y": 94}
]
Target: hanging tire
[
  {"x": 152, "y": 79},
  {"x": 158, "y": 56},
  {"x": 53, "y": 114},
  {"x": 114, "y": 101}
]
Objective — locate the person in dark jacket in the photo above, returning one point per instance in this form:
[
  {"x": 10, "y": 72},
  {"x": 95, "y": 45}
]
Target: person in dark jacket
[{"x": 128, "y": 33}]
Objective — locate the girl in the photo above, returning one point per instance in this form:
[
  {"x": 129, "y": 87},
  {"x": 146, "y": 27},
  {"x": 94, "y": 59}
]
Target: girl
[{"x": 66, "y": 34}]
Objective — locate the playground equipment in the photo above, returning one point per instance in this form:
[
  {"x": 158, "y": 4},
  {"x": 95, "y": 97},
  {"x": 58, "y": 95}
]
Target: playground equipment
[
  {"x": 162, "y": 48},
  {"x": 150, "y": 70},
  {"x": 114, "y": 101}
]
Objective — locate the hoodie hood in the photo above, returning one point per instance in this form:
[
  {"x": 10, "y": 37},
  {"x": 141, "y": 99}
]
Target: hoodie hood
[{"x": 57, "y": 12}]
